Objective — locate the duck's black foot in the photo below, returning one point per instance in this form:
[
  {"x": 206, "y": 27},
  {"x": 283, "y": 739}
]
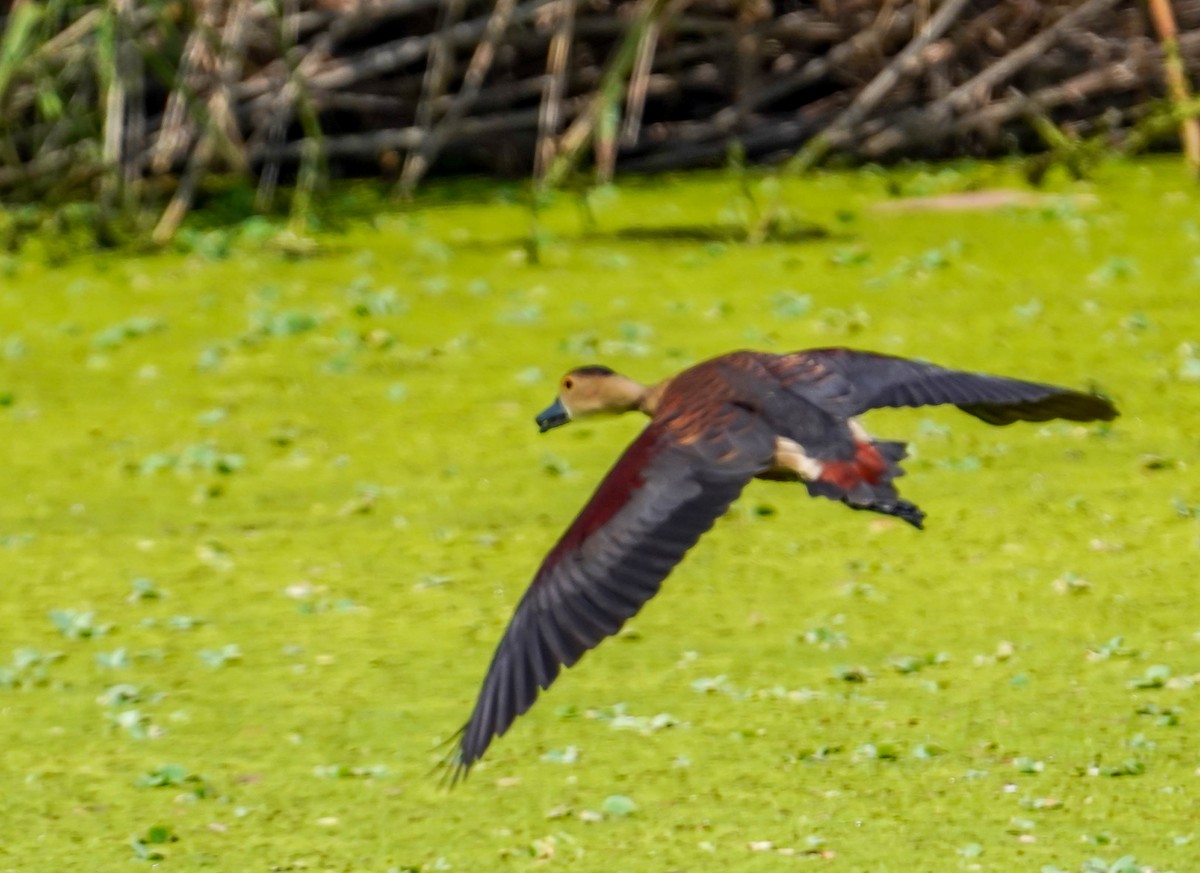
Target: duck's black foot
[{"x": 910, "y": 512}]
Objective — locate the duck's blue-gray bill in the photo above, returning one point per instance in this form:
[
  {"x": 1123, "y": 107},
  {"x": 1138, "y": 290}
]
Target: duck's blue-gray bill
[{"x": 552, "y": 416}]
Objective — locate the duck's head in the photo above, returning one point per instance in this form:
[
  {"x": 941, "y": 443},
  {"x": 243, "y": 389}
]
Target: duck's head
[{"x": 587, "y": 391}]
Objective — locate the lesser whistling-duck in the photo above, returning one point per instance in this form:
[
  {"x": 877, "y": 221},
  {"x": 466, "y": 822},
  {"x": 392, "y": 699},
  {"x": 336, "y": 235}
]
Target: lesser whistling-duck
[{"x": 713, "y": 428}]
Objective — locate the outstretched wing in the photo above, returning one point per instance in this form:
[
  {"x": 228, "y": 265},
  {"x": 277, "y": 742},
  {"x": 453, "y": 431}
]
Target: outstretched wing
[
  {"x": 665, "y": 491},
  {"x": 849, "y": 382}
]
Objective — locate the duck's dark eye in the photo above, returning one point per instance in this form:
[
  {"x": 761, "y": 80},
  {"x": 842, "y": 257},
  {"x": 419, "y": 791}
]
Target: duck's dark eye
[{"x": 568, "y": 384}]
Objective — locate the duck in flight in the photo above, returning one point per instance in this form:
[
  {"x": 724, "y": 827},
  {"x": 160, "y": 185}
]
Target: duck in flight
[{"x": 713, "y": 428}]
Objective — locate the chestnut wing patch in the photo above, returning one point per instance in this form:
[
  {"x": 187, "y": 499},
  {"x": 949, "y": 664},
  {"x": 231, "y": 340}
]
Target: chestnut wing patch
[
  {"x": 851, "y": 382},
  {"x": 656, "y": 502}
]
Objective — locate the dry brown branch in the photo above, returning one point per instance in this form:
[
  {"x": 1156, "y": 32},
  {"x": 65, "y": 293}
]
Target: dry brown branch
[
  {"x": 385, "y": 58},
  {"x": 181, "y": 201},
  {"x": 888, "y": 25},
  {"x": 840, "y": 130},
  {"x": 177, "y": 130},
  {"x": 44, "y": 166},
  {"x": 924, "y": 123},
  {"x": 366, "y": 15},
  {"x": 481, "y": 62},
  {"x": 112, "y": 153},
  {"x": 1177, "y": 83},
  {"x": 1121, "y": 76},
  {"x": 616, "y": 70},
  {"x": 368, "y": 145},
  {"x": 229, "y": 68},
  {"x": 550, "y": 113},
  {"x": 639, "y": 79},
  {"x": 439, "y": 65}
]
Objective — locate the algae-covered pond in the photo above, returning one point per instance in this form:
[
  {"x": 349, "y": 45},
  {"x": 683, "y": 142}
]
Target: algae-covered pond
[{"x": 265, "y": 519}]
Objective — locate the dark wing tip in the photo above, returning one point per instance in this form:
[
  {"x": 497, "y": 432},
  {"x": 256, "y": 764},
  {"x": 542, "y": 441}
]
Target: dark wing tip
[
  {"x": 1059, "y": 403},
  {"x": 539, "y": 641},
  {"x": 454, "y": 767},
  {"x": 857, "y": 381},
  {"x": 1101, "y": 406}
]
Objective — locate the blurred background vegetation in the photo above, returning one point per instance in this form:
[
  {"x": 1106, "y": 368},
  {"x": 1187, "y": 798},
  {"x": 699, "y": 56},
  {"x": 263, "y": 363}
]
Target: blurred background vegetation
[{"x": 117, "y": 118}]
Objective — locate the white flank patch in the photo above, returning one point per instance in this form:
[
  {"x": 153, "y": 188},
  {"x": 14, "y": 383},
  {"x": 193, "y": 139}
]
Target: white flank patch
[{"x": 790, "y": 455}]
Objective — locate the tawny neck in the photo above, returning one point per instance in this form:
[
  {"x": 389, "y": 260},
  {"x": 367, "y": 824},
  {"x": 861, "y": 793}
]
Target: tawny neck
[{"x": 648, "y": 402}]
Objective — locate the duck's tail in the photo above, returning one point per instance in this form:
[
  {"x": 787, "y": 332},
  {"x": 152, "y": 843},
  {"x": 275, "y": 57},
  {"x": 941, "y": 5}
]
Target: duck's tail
[{"x": 865, "y": 481}]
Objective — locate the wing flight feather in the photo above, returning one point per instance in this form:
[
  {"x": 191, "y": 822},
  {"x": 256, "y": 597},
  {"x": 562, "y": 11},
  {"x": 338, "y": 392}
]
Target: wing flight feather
[
  {"x": 850, "y": 382},
  {"x": 660, "y": 497}
]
